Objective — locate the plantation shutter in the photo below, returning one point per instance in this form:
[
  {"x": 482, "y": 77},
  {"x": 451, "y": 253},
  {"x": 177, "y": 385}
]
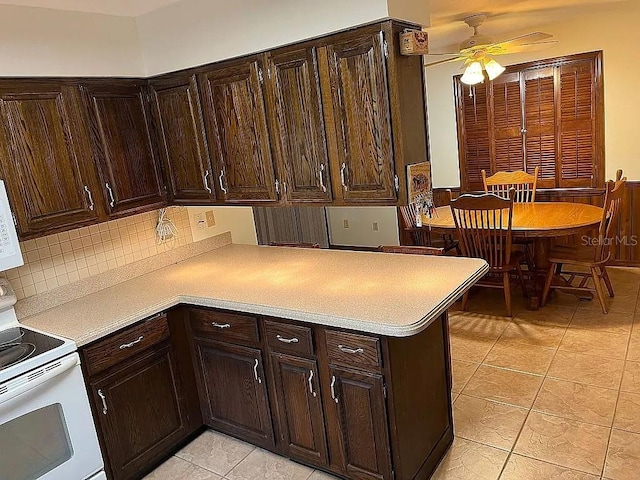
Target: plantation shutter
[
  {"x": 508, "y": 151},
  {"x": 540, "y": 125},
  {"x": 577, "y": 129},
  {"x": 476, "y": 146}
]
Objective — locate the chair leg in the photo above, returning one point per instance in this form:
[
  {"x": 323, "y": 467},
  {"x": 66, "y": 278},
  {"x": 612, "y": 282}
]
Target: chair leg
[
  {"x": 547, "y": 283},
  {"x": 507, "y": 293},
  {"x": 598, "y": 285},
  {"x": 607, "y": 280},
  {"x": 523, "y": 285},
  {"x": 465, "y": 301},
  {"x": 528, "y": 258}
]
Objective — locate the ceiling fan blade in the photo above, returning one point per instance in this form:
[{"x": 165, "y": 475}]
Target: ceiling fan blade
[
  {"x": 523, "y": 39},
  {"x": 448, "y": 60},
  {"x": 525, "y": 47}
]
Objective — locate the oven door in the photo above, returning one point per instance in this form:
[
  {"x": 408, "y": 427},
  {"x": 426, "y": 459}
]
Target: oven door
[{"x": 46, "y": 428}]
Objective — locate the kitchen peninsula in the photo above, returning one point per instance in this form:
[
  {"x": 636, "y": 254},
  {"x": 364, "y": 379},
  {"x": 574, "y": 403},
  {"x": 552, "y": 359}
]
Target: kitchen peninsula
[{"x": 336, "y": 359}]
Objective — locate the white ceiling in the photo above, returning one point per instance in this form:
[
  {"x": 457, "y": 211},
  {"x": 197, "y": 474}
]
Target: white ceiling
[
  {"x": 504, "y": 16},
  {"x": 126, "y": 8}
]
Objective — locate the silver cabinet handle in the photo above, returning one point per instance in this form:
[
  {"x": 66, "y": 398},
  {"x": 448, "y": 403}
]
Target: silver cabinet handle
[
  {"x": 113, "y": 200},
  {"x": 311, "y": 384},
  {"x": 91, "y": 204},
  {"x": 344, "y": 349},
  {"x": 342, "y": 169},
  {"x": 255, "y": 371},
  {"x": 333, "y": 389},
  {"x": 220, "y": 180},
  {"x": 131, "y": 344},
  {"x": 220, "y": 325},
  {"x": 104, "y": 401},
  {"x": 321, "y": 176},
  {"x": 287, "y": 340},
  {"x": 206, "y": 183}
]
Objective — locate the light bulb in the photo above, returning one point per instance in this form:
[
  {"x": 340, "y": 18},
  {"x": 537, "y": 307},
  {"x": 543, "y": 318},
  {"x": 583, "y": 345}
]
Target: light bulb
[
  {"x": 493, "y": 68},
  {"x": 472, "y": 74}
]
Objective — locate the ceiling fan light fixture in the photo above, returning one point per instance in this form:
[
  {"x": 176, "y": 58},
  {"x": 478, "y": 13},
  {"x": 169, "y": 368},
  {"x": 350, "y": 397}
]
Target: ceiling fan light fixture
[
  {"x": 472, "y": 74},
  {"x": 493, "y": 68}
]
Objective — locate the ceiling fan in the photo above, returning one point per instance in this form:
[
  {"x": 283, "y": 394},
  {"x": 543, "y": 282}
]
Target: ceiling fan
[{"x": 478, "y": 51}]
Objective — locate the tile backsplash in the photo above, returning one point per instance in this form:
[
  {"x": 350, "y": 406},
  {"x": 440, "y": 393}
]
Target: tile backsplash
[{"x": 66, "y": 257}]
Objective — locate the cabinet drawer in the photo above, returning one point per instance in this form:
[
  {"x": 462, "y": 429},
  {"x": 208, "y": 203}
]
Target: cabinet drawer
[
  {"x": 123, "y": 345},
  {"x": 291, "y": 339},
  {"x": 352, "y": 349},
  {"x": 221, "y": 325}
]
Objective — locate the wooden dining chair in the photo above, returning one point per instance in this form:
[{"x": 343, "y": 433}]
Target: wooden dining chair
[
  {"x": 592, "y": 257},
  {"x": 525, "y": 186},
  {"x": 411, "y": 249},
  {"x": 522, "y": 182},
  {"x": 484, "y": 230},
  {"x": 294, "y": 244},
  {"x": 421, "y": 236}
]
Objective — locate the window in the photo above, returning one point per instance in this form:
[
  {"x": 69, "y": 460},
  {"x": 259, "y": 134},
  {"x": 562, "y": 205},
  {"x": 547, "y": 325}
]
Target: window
[{"x": 547, "y": 114}]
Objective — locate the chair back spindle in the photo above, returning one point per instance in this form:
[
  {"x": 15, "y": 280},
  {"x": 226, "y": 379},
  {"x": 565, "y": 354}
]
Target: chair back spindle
[
  {"x": 522, "y": 182},
  {"x": 608, "y": 225}
]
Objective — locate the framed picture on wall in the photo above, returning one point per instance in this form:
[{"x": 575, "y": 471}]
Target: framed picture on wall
[{"x": 419, "y": 180}]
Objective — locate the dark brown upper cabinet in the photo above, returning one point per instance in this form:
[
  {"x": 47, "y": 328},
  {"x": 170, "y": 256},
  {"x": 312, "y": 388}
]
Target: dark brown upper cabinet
[
  {"x": 46, "y": 157},
  {"x": 181, "y": 139},
  {"x": 236, "y": 123},
  {"x": 125, "y": 152},
  {"x": 358, "y": 104},
  {"x": 298, "y": 133}
]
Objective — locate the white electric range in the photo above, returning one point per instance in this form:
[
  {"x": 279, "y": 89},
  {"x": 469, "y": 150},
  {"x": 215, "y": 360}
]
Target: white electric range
[{"x": 46, "y": 428}]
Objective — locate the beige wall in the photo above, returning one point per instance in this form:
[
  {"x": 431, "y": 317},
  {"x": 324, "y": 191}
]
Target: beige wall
[
  {"x": 40, "y": 41},
  {"x": 614, "y": 32},
  {"x": 237, "y": 220},
  {"x": 360, "y": 231}
]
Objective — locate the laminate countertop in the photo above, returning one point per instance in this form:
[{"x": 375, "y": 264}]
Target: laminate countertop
[{"x": 381, "y": 293}]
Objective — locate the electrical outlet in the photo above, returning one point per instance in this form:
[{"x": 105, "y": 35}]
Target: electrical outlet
[
  {"x": 375, "y": 226},
  {"x": 199, "y": 219},
  {"x": 345, "y": 223},
  {"x": 211, "y": 220}
]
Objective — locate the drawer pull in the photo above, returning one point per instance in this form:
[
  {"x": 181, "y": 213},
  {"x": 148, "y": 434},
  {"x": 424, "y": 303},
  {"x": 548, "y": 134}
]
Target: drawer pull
[
  {"x": 310, "y": 383},
  {"x": 344, "y": 349},
  {"x": 287, "y": 340},
  {"x": 333, "y": 389},
  {"x": 104, "y": 401},
  {"x": 220, "y": 325},
  {"x": 131, "y": 344},
  {"x": 255, "y": 372}
]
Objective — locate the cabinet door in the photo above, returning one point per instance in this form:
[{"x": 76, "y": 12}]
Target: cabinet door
[
  {"x": 44, "y": 148},
  {"x": 298, "y": 125},
  {"x": 129, "y": 169},
  {"x": 300, "y": 408},
  {"x": 237, "y": 131},
  {"x": 180, "y": 131},
  {"x": 139, "y": 413},
  {"x": 234, "y": 391},
  {"x": 359, "y": 398},
  {"x": 360, "y": 105}
]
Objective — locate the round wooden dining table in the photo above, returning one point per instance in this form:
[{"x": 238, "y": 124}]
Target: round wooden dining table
[{"x": 540, "y": 221}]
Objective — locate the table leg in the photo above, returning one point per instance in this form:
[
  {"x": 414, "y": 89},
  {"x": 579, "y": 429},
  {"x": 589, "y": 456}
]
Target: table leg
[{"x": 541, "y": 247}]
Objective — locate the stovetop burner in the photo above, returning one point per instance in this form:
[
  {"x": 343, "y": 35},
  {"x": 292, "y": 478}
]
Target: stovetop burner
[
  {"x": 13, "y": 353},
  {"x": 19, "y": 344}
]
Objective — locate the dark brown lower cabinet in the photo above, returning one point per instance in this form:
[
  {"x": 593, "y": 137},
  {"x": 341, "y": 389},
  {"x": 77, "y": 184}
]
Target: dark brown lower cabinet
[
  {"x": 234, "y": 391},
  {"x": 139, "y": 413},
  {"x": 300, "y": 408},
  {"x": 360, "y": 401}
]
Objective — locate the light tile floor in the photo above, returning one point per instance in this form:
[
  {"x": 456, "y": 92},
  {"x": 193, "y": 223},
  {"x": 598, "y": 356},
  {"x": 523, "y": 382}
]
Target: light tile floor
[{"x": 551, "y": 394}]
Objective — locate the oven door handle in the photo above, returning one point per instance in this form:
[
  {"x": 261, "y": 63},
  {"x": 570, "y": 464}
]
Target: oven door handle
[{"x": 36, "y": 377}]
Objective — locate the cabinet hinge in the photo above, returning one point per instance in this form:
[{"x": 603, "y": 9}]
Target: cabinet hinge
[
  {"x": 15, "y": 220},
  {"x": 393, "y": 474},
  {"x": 260, "y": 77},
  {"x": 384, "y": 391},
  {"x": 396, "y": 183},
  {"x": 277, "y": 187},
  {"x": 385, "y": 47}
]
